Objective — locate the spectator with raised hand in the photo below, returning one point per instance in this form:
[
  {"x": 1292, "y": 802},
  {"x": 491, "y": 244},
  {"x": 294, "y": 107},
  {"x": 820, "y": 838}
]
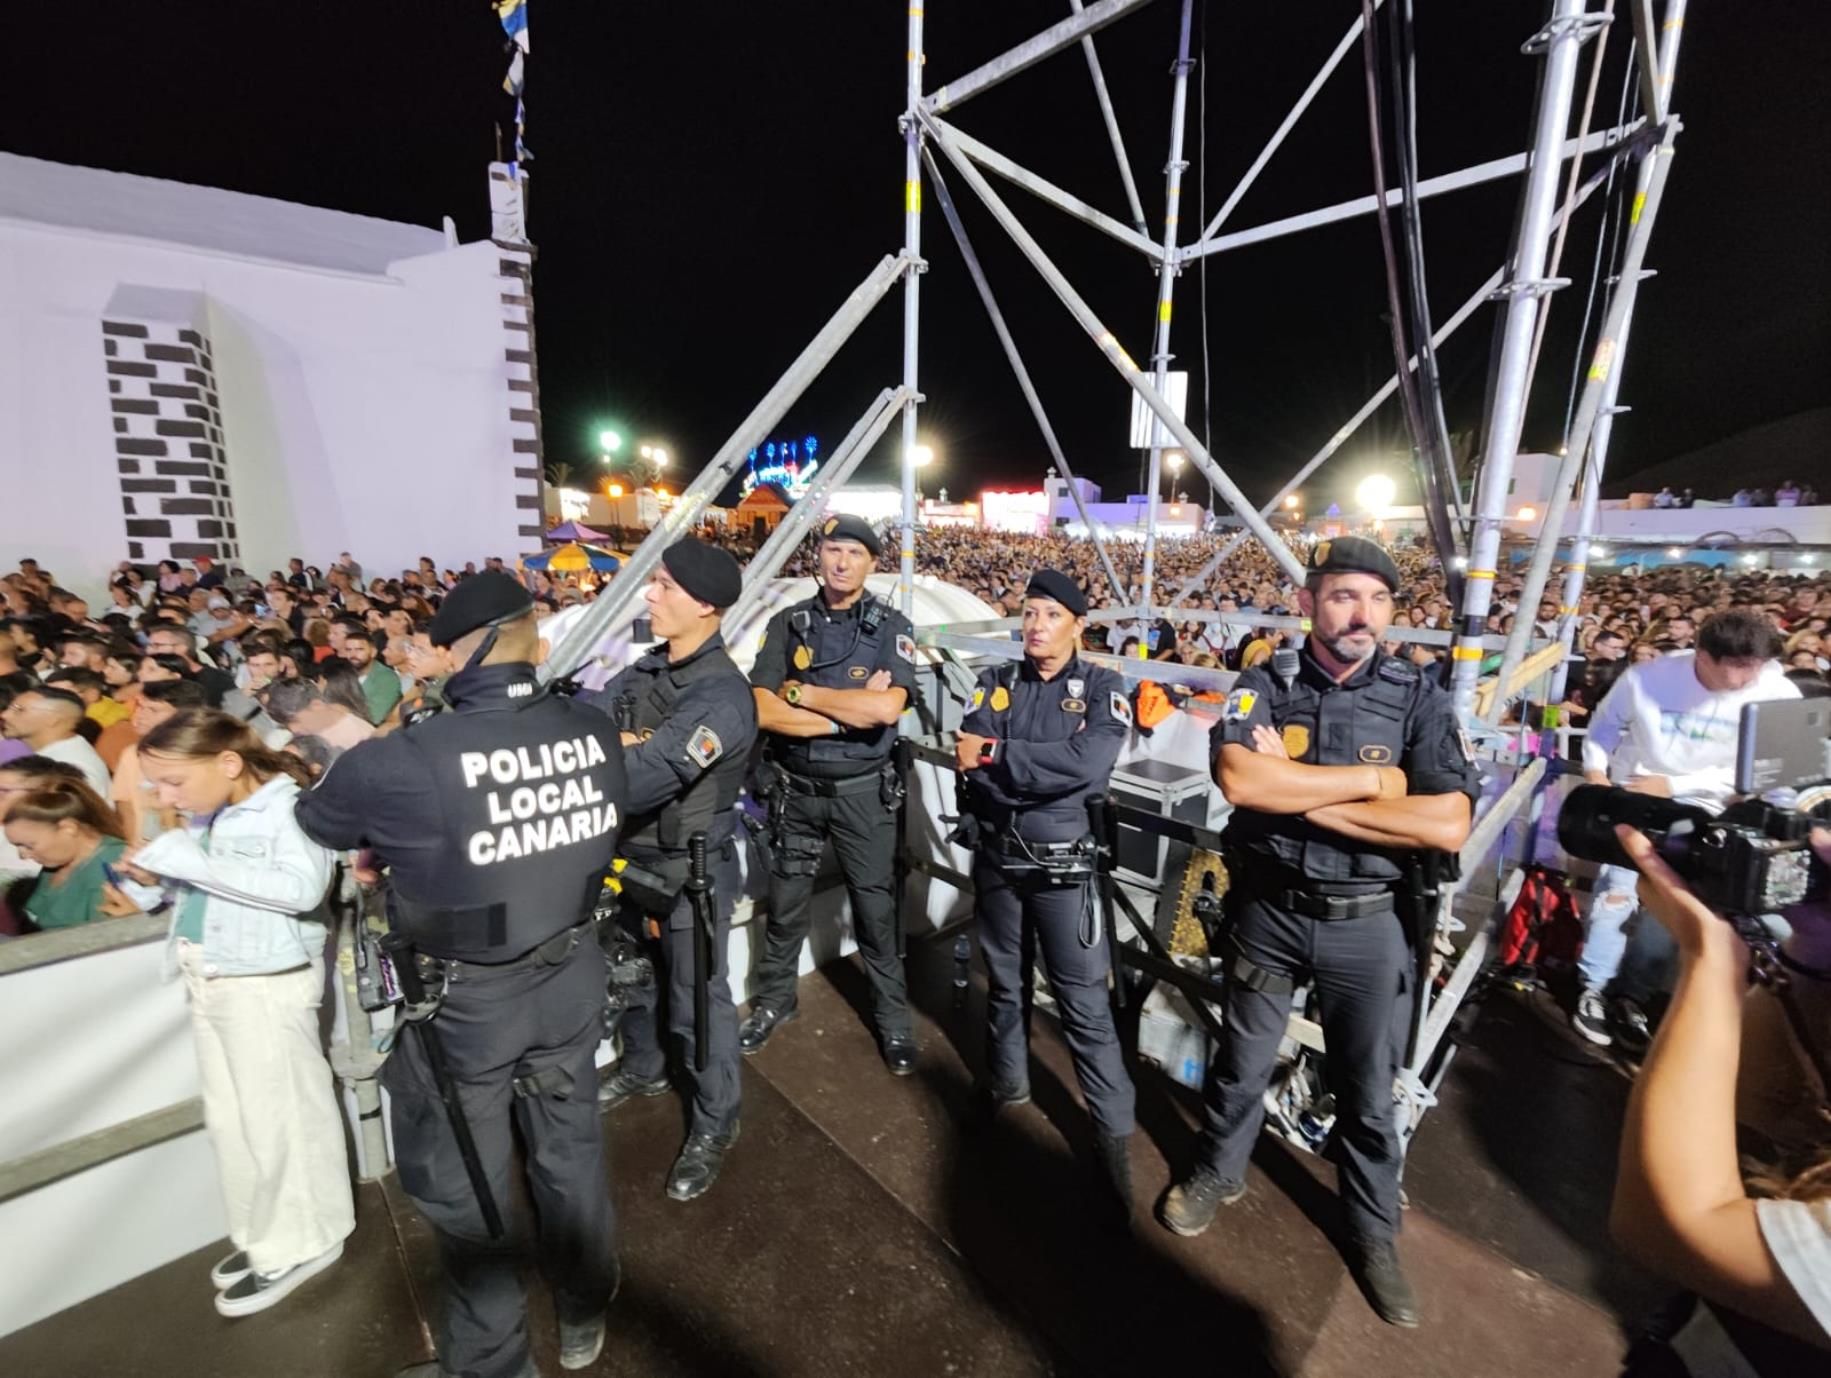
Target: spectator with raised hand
[{"x": 1760, "y": 1268}]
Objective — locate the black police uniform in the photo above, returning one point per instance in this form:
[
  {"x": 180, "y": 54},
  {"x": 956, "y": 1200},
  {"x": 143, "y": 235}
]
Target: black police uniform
[
  {"x": 697, "y": 721},
  {"x": 842, "y": 787},
  {"x": 497, "y": 821},
  {"x": 1306, "y": 901},
  {"x": 1057, "y": 741}
]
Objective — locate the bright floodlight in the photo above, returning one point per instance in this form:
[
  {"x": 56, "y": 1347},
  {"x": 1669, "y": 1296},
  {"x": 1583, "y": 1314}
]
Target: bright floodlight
[
  {"x": 1527, "y": 514},
  {"x": 615, "y": 490},
  {"x": 1175, "y": 460},
  {"x": 1598, "y": 552},
  {"x": 660, "y": 456},
  {"x": 647, "y": 452},
  {"x": 1674, "y": 553},
  {"x": 923, "y": 455},
  {"x": 1376, "y": 492},
  {"x": 1291, "y": 502},
  {"x": 609, "y": 442}
]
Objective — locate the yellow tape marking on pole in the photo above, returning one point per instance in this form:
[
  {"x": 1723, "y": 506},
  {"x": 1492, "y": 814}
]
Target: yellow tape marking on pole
[
  {"x": 912, "y": 196},
  {"x": 1605, "y": 360},
  {"x": 1640, "y": 204},
  {"x": 1163, "y": 312},
  {"x": 1479, "y": 573},
  {"x": 1465, "y": 653}
]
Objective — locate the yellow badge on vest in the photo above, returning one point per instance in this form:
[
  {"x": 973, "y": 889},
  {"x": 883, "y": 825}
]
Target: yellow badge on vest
[
  {"x": 1296, "y": 738},
  {"x": 803, "y": 657},
  {"x": 1001, "y": 699}
]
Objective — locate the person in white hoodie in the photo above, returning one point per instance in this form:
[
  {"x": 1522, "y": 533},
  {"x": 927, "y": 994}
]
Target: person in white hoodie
[
  {"x": 248, "y": 934},
  {"x": 1667, "y": 728}
]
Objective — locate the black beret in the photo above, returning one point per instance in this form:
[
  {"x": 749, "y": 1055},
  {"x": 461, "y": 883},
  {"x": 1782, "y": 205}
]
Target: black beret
[
  {"x": 1354, "y": 555},
  {"x": 479, "y": 601},
  {"x": 705, "y": 571},
  {"x": 1052, "y": 583},
  {"x": 845, "y": 527}
]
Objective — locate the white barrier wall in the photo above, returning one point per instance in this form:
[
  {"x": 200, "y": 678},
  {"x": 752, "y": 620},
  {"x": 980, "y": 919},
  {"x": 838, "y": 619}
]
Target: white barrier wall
[{"x": 358, "y": 380}]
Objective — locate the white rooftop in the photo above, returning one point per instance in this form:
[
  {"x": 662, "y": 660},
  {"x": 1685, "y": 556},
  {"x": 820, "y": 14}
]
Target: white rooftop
[{"x": 231, "y": 222}]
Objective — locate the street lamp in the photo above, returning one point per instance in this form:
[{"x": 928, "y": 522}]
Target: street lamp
[
  {"x": 609, "y": 441},
  {"x": 1376, "y": 493},
  {"x": 923, "y": 455},
  {"x": 1528, "y": 514},
  {"x": 1291, "y": 501},
  {"x": 1174, "y": 458}
]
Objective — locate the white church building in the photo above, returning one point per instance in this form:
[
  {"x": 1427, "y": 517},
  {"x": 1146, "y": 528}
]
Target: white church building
[{"x": 186, "y": 371}]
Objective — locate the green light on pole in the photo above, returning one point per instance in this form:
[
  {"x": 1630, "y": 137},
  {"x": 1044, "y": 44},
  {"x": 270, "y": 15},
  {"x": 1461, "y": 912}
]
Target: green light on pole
[{"x": 609, "y": 442}]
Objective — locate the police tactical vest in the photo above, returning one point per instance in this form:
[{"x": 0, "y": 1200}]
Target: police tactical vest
[
  {"x": 1026, "y": 708},
  {"x": 1360, "y": 723},
  {"x": 836, "y": 653},
  {"x": 530, "y": 790},
  {"x": 705, "y": 806}
]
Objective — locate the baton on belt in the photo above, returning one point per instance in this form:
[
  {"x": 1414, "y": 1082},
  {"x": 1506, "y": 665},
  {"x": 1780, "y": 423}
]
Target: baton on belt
[
  {"x": 699, "y": 895},
  {"x": 399, "y": 948},
  {"x": 1105, "y": 824}
]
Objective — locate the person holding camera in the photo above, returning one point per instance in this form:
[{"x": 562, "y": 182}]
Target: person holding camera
[
  {"x": 1668, "y": 729},
  {"x": 1760, "y": 1268}
]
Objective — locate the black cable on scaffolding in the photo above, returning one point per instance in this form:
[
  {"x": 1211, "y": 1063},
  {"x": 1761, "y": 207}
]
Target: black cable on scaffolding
[{"x": 1430, "y": 475}]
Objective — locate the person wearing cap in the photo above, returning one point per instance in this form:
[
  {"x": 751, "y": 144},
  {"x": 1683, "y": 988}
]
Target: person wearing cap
[
  {"x": 497, "y": 820},
  {"x": 831, "y": 679},
  {"x": 1038, "y": 742},
  {"x": 1341, "y": 762},
  {"x": 687, "y": 722}
]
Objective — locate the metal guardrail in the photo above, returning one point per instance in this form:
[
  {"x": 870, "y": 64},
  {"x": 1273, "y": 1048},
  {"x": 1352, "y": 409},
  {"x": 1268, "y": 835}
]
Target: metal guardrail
[
  {"x": 85, "y": 940},
  {"x": 30, "y": 1171}
]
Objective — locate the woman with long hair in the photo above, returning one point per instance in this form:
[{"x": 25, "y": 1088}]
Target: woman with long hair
[
  {"x": 248, "y": 933},
  {"x": 64, "y": 827}
]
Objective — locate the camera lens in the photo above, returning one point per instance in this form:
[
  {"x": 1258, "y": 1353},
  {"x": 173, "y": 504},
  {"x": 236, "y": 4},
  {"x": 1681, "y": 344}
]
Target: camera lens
[{"x": 1586, "y": 823}]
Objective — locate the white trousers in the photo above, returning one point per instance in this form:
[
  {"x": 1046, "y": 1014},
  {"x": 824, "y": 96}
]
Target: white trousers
[{"x": 270, "y": 1110}]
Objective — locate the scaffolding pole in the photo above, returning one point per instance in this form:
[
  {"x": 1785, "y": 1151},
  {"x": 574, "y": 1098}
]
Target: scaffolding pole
[
  {"x": 1026, "y": 54},
  {"x": 1166, "y": 292},
  {"x": 1109, "y": 346},
  {"x": 1045, "y": 190},
  {"x": 951, "y": 214},
  {"x": 912, "y": 305},
  {"x": 576, "y": 645},
  {"x": 1112, "y": 126},
  {"x": 800, "y": 519},
  {"x": 1605, "y": 364},
  {"x": 1561, "y": 39}
]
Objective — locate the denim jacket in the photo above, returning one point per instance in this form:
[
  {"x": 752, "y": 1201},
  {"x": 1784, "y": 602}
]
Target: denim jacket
[{"x": 265, "y": 879}]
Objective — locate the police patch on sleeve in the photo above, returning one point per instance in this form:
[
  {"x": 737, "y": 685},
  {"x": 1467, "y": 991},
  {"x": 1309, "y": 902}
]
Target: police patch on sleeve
[
  {"x": 704, "y": 747},
  {"x": 905, "y": 647},
  {"x": 1121, "y": 708},
  {"x": 978, "y": 696},
  {"x": 1239, "y": 705}
]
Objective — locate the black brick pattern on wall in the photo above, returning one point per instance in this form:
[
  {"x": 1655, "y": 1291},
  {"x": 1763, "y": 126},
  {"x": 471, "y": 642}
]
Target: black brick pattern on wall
[
  {"x": 521, "y": 360},
  {"x": 162, "y": 386}
]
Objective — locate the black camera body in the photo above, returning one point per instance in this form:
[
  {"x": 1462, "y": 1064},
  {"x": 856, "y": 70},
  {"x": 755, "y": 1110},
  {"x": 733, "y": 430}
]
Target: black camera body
[{"x": 1753, "y": 858}]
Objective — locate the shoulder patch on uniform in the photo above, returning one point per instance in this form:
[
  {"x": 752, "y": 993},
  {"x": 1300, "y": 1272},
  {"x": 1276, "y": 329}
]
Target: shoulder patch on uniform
[
  {"x": 1468, "y": 747},
  {"x": 905, "y": 647},
  {"x": 1077, "y": 688},
  {"x": 1239, "y": 705},
  {"x": 1399, "y": 671},
  {"x": 704, "y": 747},
  {"x": 978, "y": 696},
  {"x": 1120, "y": 706}
]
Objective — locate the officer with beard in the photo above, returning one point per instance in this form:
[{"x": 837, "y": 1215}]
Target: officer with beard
[
  {"x": 687, "y": 722},
  {"x": 1336, "y": 774},
  {"x": 832, "y": 677},
  {"x": 497, "y": 820}
]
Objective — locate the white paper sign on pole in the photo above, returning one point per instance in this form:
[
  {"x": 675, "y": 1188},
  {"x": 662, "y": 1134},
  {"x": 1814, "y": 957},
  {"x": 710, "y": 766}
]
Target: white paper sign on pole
[{"x": 1148, "y": 431}]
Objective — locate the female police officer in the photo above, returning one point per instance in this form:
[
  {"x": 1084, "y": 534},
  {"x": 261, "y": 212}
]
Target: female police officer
[{"x": 1039, "y": 741}]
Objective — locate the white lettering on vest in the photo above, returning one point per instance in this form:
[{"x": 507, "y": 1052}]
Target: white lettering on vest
[{"x": 473, "y": 764}]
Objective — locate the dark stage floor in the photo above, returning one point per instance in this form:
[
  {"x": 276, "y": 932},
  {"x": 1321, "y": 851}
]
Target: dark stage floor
[{"x": 859, "y": 1229}]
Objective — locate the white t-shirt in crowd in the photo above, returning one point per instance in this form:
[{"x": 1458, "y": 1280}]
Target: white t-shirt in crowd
[
  {"x": 1798, "y": 1235},
  {"x": 1660, "y": 720},
  {"x": 74, "y": 751}
]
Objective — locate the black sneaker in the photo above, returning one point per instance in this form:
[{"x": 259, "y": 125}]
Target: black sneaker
[
  {"x": 230, "y": 1270},
  {"x": 1631, "y": 1027},
  {"x": 622, "y": 1086},
  {"x": 1189, "y": 1206},
  {"x": 762, "y": 1021},
  {"x": 900, "y": 1055},
  {"x": 258, "y": 1291},
  {"x": 1383, "y": 1283},
  {"x": 696, "y": 1169},
  {"x": 1590, "y": 1018}
]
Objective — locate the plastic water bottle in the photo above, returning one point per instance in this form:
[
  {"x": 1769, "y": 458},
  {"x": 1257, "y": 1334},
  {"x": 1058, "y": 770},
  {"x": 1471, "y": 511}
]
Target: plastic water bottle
[{"x": 963, "y": 967}]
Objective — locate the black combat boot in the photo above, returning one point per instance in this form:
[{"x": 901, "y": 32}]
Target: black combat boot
[
  {"x": 1189, "y": 1207},
  {"x": 762, "y": 1021},
  {"x": 696, "y": 1169},
  {"x": 1375, "y": 1265}
]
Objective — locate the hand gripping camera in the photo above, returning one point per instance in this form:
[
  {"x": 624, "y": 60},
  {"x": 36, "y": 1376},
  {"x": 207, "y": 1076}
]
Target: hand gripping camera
[{"x": 1753, "y": 857}]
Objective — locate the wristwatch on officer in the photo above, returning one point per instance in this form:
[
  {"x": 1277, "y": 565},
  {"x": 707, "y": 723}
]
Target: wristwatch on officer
[
  {"x": 988, "y": 751},
  {"x": 792, "y": 695}
]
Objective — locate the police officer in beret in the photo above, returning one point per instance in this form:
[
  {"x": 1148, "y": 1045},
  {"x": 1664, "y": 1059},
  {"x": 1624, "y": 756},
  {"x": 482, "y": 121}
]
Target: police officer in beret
[
  {"x": 688, "y": 723},
  {"x": 832, "y": 677},
  {"x": 1038, "y": 741},
  {"x": 1337, "y": 774},
  {"x": 496, "y": 820}
]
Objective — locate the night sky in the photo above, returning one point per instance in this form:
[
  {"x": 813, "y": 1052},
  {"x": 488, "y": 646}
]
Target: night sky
[{"x": 711, "y": 180}]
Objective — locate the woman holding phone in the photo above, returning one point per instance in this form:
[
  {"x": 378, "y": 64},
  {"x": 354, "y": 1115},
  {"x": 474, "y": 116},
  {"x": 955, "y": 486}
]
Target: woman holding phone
[{"x": 248, "y": 934}]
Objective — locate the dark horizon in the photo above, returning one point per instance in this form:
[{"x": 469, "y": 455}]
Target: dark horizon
[{"x": 704, "y": 196}]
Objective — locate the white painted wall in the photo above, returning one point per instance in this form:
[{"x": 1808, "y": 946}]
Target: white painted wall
[{"x": 361, "y": 412}]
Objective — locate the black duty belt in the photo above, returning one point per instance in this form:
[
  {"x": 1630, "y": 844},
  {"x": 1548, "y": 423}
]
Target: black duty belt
[
  {"x": 834, "y": 789},
  {"x": 1329, "y": 907},
  {"x": 550, "y": 953}
]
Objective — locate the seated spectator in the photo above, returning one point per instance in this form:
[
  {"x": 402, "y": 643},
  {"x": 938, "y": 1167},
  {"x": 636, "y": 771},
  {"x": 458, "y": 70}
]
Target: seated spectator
[
  {"x": 67, "y": 830},
  {"x": 181, "y": 642},
  {"x": 307, "y": 709},
  {"x": 92, "y": 689},
  {"x": 46, "y": 719},
  {"x": 131, "y": 795},
  {"x": 381, "y": 687},
  {"x": 1665, "y": 497},
  {"x": 318, "y": 634}
]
